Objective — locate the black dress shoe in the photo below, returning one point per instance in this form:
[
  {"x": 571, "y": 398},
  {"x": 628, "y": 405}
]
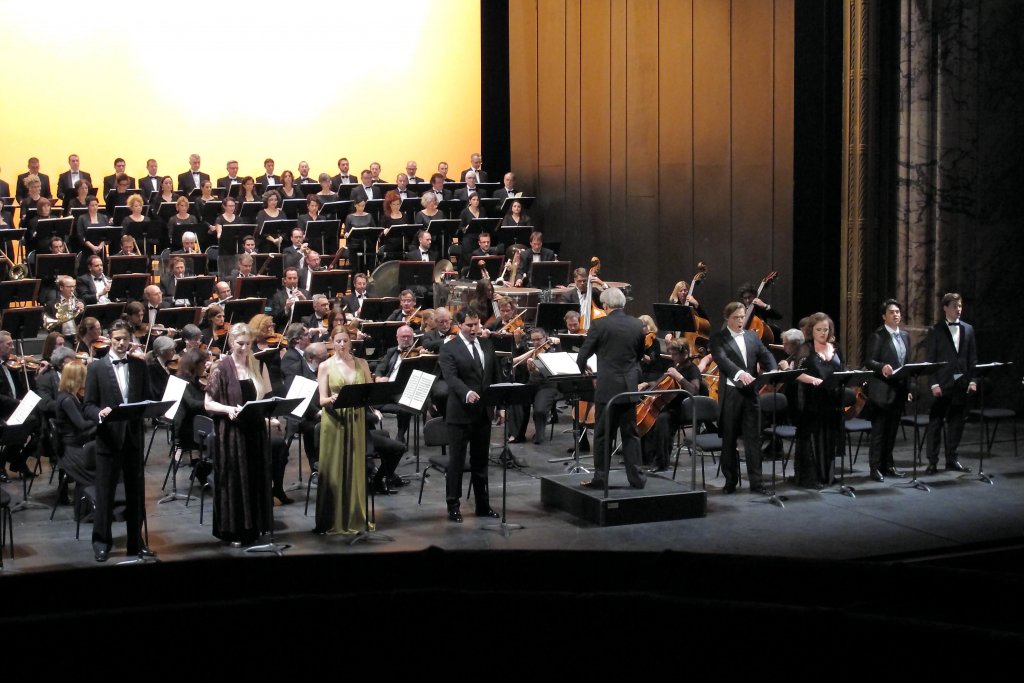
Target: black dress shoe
[
  {"x": 932, "y": 469},
  {"x": 955, "y": 466},
  {"x": 729, "y": 488},
  {"x": 761, "y": 490},
  {"x": 592, "y": 483},
  {"x": 893, "y": 472},
  {"x": 396, "y": 482},
  {"x": 283, "y": 497},
  {"x": 454, "y": 515},
  {"x": 487, "y": 512},
  {"x": 145, "y": 552},
  {"x": 877, "y": 476},
  {"x": 26, "y": 473},
  {"x": 101, "y": 554}
]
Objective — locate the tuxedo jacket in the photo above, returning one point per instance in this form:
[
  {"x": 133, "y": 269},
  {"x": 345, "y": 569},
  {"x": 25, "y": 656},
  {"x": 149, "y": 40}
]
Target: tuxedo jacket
[
  {"x": 336, "y": 181},
  {"x": 352, "y": 302},
  {"x": 463, "y": 374},
  {"x": 415, "y": 255},
  {"x": 502, "y": 193},
  {"x": 360, "y": 193},
  {"x": 727, "y": 354},
  {"x": 261, "y": 182},
  {"x": 445, "y": 194},
  {"x": 146, "y": 186},
  {"x": 462, "y": 194},
  {"x": 20, "y": 191},
  {"x": 5, "y": 189},
  {"x": 618, "y": 341},
  {"x": 881, "y": 352},
  {"x": 102, "y": 390},
  {"x": 186, "y": 183},
  {"x": 64, "y": 186},
  {"x": 481, "y": 175},
  {"x": 85, "y": 289},
  {"x": 291, "y": 364},
  {"x": 277, "y": 303},
  {"x": 939, "y": 348},
  {"x": 226, "y": 183},
  {"x": 110, "y": 183},
  {"x": 8, "y": 401}
]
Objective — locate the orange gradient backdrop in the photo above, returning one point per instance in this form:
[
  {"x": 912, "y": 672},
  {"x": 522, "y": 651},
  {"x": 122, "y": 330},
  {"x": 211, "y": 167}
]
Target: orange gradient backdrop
[{"x": 371, "y": 81}]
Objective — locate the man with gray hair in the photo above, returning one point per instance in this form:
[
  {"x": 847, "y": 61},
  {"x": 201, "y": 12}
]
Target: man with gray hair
[{"x": 617, "y": 340}]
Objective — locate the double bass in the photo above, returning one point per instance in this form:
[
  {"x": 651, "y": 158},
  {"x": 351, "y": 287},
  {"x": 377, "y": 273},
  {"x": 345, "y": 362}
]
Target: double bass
[
  {"x": 591, "y": 311},
  {"x": 703, "y": 331},
  {"x": 752, "y": 322}
]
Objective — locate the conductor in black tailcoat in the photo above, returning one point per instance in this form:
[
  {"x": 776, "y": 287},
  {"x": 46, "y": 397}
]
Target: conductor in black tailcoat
[
  {"x": 112, "y": 380},
  {"x": 888, "y": 351},
  {"x": 470, "y": 368},
  {"x": 738, "y": 353},
  {"x": 952, "y": 341},
  {"x": 618, "y": 341}
]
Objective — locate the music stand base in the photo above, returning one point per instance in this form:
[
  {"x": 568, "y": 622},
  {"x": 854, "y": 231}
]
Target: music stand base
[
  {"x": 296, "y": 486},
  {"x": 981, "y": 476},
  {"x": 846, "y": 490},
  {"x": 139, "y": 560},
  {"x": 28, "y": 504},
  {"x": 276, "y": 548},
  {"x": 914, "y": 483},
  {"x": 773, "y": 499},
  {"x": 370, "y": 537},
  {"x": 503, "y": 527},
  {"x": 173, "y": 496}
]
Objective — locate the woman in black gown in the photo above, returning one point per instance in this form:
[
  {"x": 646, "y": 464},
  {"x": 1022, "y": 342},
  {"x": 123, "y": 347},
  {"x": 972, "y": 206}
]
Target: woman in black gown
[
  {"x": 391, "y": 246},
  {"x": 77, "y": 433},
  {"x": 515, "y": 217},
  {"x": 288, "y": 189},
  {"x": 819, "y": 430},
  {"x": 242, "y": 506},
  {"x": 271, "y": 211}
]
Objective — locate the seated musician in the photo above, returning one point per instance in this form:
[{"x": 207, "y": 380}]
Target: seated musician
[
  {"x": 298, "y": 337},
  {"x": 213, "y": 327},
  {"x": 748, "y": 295},
  {"x": 657, "y": 443},
  {"x": 578, "y": 293},
  {"x": 169, "y": 284},
  {"x": 243, "y": 269},
  {"x": 507, "y": 323},
  {"x": 93, "y": 287},
  {"x": 484, "y": 301},
  {"x": 681, "y": 295},
  {"x": 191, "y": 368},
  {"x": 316, "y": 322},
  {"x": 156, "y": 364},
  {"x": 547, "y": 391},
  {"x": 291, "y": 255},
  {"x": 652, "y": 365},
  {"x": 127, "y": 247},
  {"x": 266, "y": 346},
  {"x": 154, "y": 301},
  {"x": 76, "y": 432},
  {"x": 472, "y": 269},
  {"x": 354, "y": 302},
  {"x": 221, "y": 293},
  {"x": 15, "y": 441},
  {"x": 572, "y": 323},
  {"x": 62, "y": 304},
  {"x": 422, "y": 252},
  {"x": 309, "y": 265},
  {"x": 387, "y": 371},
  {"x": 407, "y": 303},
  {"x": 536, "y": 252},
  {"x": 442, "y": 332},
  {"x": 312, "y": 356},
  {"x": 189, "y": 243}
]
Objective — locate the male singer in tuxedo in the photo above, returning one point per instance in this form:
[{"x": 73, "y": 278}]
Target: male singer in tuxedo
[
  {"x": 469, "y": 367},
  {"x": 20, "y": 191},
  {"x": 110, "y": 181},
  {"x": 231, "y": 178},
  {"x": 464, "y": 193},
  {"x": 67, "y": 180},
  {"x": 112, "y": 380},
  {"x": 738, "y": 353},
  {"x": 365, "y": 191},
  {"x": 536, "y": 252},
  {"x": 951, "y": 341},
  {"x": 888, "y": 351},
  {"x": 151, "y": 183},
  {"x": 476, "y": 163},
  {"x": 268, "y": 179},
  {"x": 354, "y": 301},
  {"x": 343, "y": 177},
  {"x": 410, "y": 171},
  {"x": 193, "y": 178},
  {"x": 421, "y": 252},
  {"x": 618, "y": 341}
]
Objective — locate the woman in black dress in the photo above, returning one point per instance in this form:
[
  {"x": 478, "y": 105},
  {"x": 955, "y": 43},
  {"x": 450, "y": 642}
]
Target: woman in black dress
[
  {"x": 180, "y": 217},
  {"x": 76, "y": 432},
  {"x": 248, "y": 192},
  {"x": 514, "y": 216},
  {"x": 228, "y": 217},
  {"x": 288, "y": 189},
  {"x": 820, "y": 426},
  {"x": 271, "y": 211},
  {"x": 92, "y": 218},
  {"x": 193, "y": 401},
  {"x": 313, "y": 206},
  {"x": 210, "y": 233},
  {"x": 166, "y": 195},
  {"x": 429, "y": 211},
  {"x": 242, "y": 507},
  {"x": 325, "y": 194},
  {"x": 391, "y": 247}
]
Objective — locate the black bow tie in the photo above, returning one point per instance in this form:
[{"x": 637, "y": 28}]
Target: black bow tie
[
  {"x": 152, "y": 308},
  {"x": 119, "y": 362},
  {"x": 956, "y": 324}
]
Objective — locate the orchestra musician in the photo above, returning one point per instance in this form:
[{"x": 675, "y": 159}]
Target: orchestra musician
[
  {"x": 93, "y": 287},
  {"x": 16, "y": 446},
  {"x": 618, "y": 341},
  {"x": 546, "y": 394},
  {"x": 536, "y": 252},
  {"x": 387, "y": 371},
  {"x": 738, "y": 353},
  {"x": 748, "y": 297},
  {"x": 213, "y": 325},
  {"x": 888, "y": 351},
  {"x": 469, "y": 367},
  {"x": 169, "y": 284},
  {"x": 407, "y": 303},
  {"x": 156, "y": 365},
  {"x": 193, "y": 178},
  {"x": 128, "y": 247},
  {"x": 291, "y": 255},
  {"x": 681, "y": 295},
  {"x": 657, "y": 443},
  {"x": 283, "y": 299},
  {"x": 63, "y": 300},
  {"x": 312, "y": 356},
  {"x": 354, "y": 301},
  {"x": 951, "y": 340},
  {"x": 316, "y": 321},
  {"x": 76, "y": 432},
  {"x": 310, "y": 264},
  {"x": 577, "y": 294}
]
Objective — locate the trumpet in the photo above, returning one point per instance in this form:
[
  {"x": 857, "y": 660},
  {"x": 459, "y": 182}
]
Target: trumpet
[{"x": 18, "y": 271}]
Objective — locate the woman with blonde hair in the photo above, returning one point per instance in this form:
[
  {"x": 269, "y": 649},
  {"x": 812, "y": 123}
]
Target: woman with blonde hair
[
  {"x": 242, "y": 507},
  {"x": 76, "y": 432}
]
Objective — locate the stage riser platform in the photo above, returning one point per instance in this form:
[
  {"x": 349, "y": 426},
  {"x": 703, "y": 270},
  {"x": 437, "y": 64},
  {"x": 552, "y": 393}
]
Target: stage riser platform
[{"x": 660, "y": 501}]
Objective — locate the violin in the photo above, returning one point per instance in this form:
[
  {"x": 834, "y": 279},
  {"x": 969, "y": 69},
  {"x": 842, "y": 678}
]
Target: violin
[
  {"x": 22, "y": 362},
  {"x": 101, "y": 343},
  {"x": 515, "y": 325},
  {"x": 415, "y": 318}
]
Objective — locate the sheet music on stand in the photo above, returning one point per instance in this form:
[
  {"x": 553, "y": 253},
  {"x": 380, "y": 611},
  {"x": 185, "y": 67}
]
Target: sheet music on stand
[
  {"x": 173, "y": 392},
  {"x": 304, "y": 388},
  {"x": 24, "y": 409},
  {"x": 417, "y": 390},
  {"x": 562, "y": 364}
]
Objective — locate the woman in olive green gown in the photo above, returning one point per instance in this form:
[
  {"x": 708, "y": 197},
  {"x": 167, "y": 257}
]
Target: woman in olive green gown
[{"x": 341, "y": 488}]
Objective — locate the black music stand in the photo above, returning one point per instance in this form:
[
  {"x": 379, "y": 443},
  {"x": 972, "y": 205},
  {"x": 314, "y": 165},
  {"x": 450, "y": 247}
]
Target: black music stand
[
  {"x": 179, "y": 230},
  {"x": 675, "y": 317},
  {"x": 248, "y": 211},
  {"x": 491, "y": 206},
  {"x": 781, "y": 378},
  {"x": 406, "y": 231},
  {"x": 111, "y": 234},
  {"x": 911, "y": 371},
  {"x": 509, "y": 235},
  {"x": 844, "y": 378},
  {"x": 331, "y": 283},
  {"x": 231, "y": 235},
  {"x": 491, "y": 264},
  {"x": 195, "y": 264},
  {"x": 442, "y": 230},
  {"x": 550, "y": 274},
  {"x": 415, "y": 274},
  {"x": 358, "y": 396},
  {"x": 211, "y": 210},
  {"x": 571, "y": 342},
  {"x": 196, "y": 289},
  {"x": 22, "y": 322},
  {"x": 19, "y": 290},
  {"x": 105, "y": 313},
  {"x": 177, "y": 317},
  {"x": 264, "y": 410},
  {"x": 489, "y": 225},
  {"x": 166, "y": 210},
  {"x": 361, "y": 243},
  {"x": 323, "y": 234},
  {"x": 128, "y": 287},
  {"x": 52, "y": 265},
  {"x": 257, "y": 286},
  {"x": 502, "y": 396},
  {"x": 242, "y": 310},
  {"x": 981, "y": 371},
  {"x": 268, "y": 264},
  {"x": 293, "y": 206},
  {"x": 551, "y": 316},
  {"x": 146, "y": 234},
  {"x": 302, "y": 309},
  {"x": 121, "y": 265},
  {"x": 339, "y": 209},
  {"x": 384, "y": 334},
  {"x": 138, "y": 412},
  {"x": 278, "y": 227},
  {"x": 410, "y": 205},
  {"x": 506, "y": 203},
  {"x": 378, "y": 309},
  {"x": 54, "y": 227}
]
